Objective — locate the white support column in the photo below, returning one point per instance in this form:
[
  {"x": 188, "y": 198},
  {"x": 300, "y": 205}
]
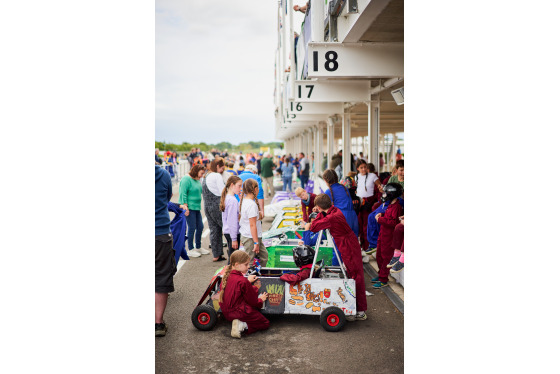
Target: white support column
[
  {"x": 292, "y": 144},
  {"x": 319, "y": 152},
  {"x": 315, "y": 151},
  {"x": 330, "y": 140},
  {"x": 373, "y": 134},
  {"x": 283, "y": 65},
  {"x": 346, "y": 145},
  {"x": 309, "y": 143},
  {"x": 382, "y": 150},
  {"x": 292, "y": 48},
  {"x": 317, "y": 21},
  {"x": 394, "y": 150}
]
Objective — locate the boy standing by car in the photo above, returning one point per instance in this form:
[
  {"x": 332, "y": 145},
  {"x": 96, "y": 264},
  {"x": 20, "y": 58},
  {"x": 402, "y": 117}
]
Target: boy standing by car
[{"x": 346, "y": 242}]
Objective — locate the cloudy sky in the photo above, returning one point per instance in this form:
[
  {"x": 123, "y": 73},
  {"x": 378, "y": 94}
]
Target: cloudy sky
[{"x": 215, "y": 70}]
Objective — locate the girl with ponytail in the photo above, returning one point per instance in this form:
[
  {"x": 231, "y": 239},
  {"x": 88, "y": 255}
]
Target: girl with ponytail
[
  {"x": 229, "y": 206},
  {"x": 250, "y": 226},
  {"x": 367, "y": 184},
  {"x": 341, "y": 199},
  {"x": 239, "y": 299}
]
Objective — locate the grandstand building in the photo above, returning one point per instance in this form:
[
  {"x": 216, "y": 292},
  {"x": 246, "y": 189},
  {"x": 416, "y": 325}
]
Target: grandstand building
[{"x": 339, "y": 79}]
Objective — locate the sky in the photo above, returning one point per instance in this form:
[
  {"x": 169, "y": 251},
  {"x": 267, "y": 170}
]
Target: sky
[{"x": 215, "y": 70}]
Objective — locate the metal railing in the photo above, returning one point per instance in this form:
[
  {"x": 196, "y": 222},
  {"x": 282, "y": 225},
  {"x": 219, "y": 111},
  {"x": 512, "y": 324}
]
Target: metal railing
[{"x": 180, "y": 169}]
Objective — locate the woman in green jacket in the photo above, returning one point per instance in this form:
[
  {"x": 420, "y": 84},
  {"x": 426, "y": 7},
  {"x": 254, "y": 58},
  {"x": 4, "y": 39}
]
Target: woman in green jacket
[{"x": 190, "y": 198}]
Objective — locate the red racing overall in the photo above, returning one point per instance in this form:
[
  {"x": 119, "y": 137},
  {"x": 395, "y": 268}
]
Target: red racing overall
[
  {"x": 349, "y": 248},
  {"x": 385, "y": 250},
  {"x": 242, "y": 302}
]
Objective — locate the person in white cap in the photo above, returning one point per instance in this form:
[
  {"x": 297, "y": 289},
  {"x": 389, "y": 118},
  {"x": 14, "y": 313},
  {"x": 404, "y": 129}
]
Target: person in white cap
[{"x": 250, "y": 172}]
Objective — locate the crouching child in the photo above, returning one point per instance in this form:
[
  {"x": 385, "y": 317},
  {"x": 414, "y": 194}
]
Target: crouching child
[{"x": 239, "y": 299}]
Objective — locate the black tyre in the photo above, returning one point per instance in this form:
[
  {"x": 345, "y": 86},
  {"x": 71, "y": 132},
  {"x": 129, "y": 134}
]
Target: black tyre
[
  {"x": 204, "y": 317},
  {"x": 333, "y": 319}
]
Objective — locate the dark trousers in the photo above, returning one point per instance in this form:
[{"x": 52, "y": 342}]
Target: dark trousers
[
  {"x": 230, "y": 243},
  {"x": 214, "y": 217},
  {"x": 303, "y": 179},
  {"x": 362, "y": 223},
  {"x": 398, "y": 237},
  {"x": 358, "y": 276},
  {"x": 363, "y": 215},
  {"x": 384, "y": 254},
  {"x": 195, "y": 227}
]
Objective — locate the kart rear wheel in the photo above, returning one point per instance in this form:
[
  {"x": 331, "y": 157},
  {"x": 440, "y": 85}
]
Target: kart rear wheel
[
  {"x": 333, "y": 319},
  {"x": 204, "y": 317}
]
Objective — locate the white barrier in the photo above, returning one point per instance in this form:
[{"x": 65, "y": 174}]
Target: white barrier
[{"x": 180, "y": 169}]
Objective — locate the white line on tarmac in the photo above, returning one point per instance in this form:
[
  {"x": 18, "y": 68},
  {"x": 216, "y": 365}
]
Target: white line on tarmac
[
  {"x": 205, "y": 233},
  {"x": 180, "y": 265}
]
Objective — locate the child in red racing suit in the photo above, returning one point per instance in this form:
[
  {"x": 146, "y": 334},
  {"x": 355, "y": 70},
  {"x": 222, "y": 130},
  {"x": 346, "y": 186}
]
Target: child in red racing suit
[
  {"x": 387, "y": 222},
  {"x": 238, "y": 297},
  {"x": 347, "y": 244}
]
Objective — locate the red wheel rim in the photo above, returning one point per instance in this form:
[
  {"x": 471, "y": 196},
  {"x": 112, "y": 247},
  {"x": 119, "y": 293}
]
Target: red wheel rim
[
  {"x": 332, "y": 320},
  {"x": 204, "y": 318}
]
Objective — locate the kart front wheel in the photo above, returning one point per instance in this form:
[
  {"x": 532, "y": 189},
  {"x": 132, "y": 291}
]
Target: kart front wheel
[
  {"x": 333, "y": 319},
  {"x": 204, "y": 317}
]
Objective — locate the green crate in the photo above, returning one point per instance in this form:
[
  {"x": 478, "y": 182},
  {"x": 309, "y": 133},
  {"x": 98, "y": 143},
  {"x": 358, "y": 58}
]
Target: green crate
[
  {"x": 281, "y": 256},
  {"x": 292, "y": 234}
]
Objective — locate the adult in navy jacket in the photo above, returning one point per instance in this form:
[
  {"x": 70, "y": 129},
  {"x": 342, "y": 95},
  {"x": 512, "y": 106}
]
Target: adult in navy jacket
[{"x": 165, "y": 266}]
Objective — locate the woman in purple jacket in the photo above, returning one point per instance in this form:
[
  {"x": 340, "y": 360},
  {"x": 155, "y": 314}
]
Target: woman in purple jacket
[{"x": 230, "y": 213}]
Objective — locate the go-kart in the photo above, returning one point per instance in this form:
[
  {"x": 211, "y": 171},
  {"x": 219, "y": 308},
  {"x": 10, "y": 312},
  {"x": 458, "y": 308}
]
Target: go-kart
[{"x": 327, "y": 293}]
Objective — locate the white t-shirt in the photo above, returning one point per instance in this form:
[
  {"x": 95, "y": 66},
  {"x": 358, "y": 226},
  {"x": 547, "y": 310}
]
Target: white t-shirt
[
  {"x": 215, "y": 183},
  {"x": 364, "y": 182},
  {"x": 249, "y": 209},
  {"x": 225, "y": 177}
]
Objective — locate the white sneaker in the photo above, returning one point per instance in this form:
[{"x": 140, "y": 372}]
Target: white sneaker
[
  {"x": 237, "y": 327},
  {"x": 364, "y": 253},
  {"x": 203, "y": 251},
  {"x": 193, "y": 253},
  {"x": 365, "y": 259}
]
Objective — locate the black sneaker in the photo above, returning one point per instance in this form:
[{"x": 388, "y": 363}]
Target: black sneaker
[
  {"x": 398, "y": 267},
  {"x": 161, "y": 329},
  {"x": 393, "y": 261}
]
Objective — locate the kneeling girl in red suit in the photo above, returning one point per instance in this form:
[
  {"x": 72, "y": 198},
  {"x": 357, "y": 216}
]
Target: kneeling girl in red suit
[{"x": 239, "y": 299}]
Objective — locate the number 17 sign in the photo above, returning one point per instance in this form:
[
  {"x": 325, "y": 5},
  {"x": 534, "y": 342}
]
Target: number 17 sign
[{"x": 310, "y": 91}]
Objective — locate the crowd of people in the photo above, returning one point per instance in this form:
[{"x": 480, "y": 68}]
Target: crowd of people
[
  {"x": 363, "y": 211},
  {"x": 237, "y": 163},
  {"x": 373, "y": 206}
]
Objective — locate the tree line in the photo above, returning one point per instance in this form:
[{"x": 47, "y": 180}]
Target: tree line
[{"x": 244, "y": 147}]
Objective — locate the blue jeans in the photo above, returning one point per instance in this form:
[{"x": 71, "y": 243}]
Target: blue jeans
[
  {"x": 287, "y": 184},
  {"x": 303, "y": 179},
  {"x": 194, "y": 223}
]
